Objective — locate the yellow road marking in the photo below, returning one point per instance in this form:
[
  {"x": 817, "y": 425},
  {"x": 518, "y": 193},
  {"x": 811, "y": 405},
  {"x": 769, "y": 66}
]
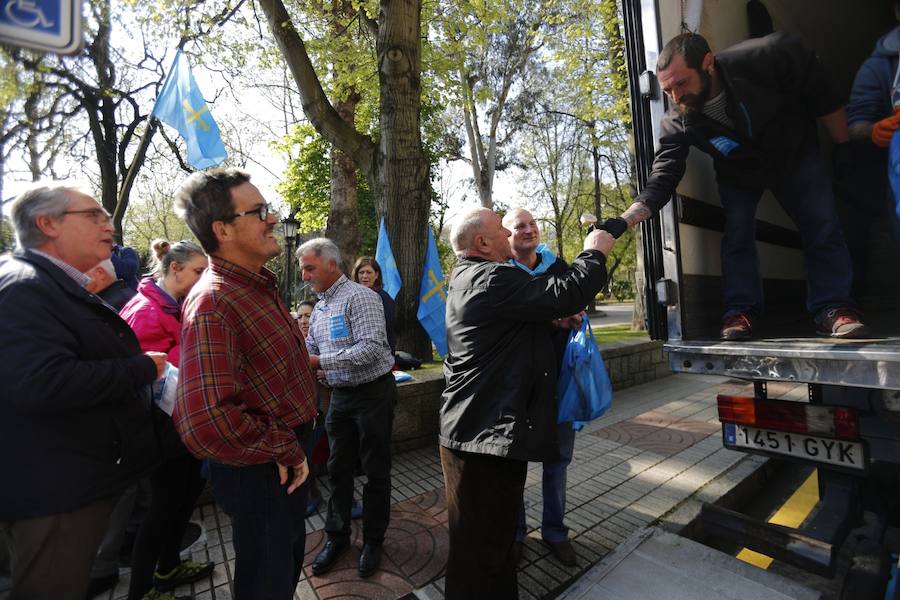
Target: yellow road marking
[{"x": 791, "y": 514}]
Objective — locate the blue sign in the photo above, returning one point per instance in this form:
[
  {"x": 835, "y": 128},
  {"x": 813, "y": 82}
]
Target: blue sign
[{"x": 47, "y": 25}]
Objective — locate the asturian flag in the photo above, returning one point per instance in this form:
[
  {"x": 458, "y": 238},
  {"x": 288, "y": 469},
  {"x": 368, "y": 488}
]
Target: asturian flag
[
  {"x": 433, "y": 298},
  {"x": 390, "y": 275},
  {"x": 181, "y": 105}
]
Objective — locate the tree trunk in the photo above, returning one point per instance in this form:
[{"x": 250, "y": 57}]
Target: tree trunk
[
  {"x": 403, "y": 167},
  {"x": 343, "y": 218},
  {"x": 397, "y": 169}
]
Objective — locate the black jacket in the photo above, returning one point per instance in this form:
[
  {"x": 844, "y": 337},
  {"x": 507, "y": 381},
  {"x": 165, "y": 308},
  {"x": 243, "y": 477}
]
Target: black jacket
[
  {"x": 501, "y": 368},
  {"x": 117, "y": 294},
  {"x": 775, "y": 89},
  {"x": 75, "y": 421}
]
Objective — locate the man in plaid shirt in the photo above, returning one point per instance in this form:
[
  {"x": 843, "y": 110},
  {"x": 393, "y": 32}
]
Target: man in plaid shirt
[
  {"x": 246, "y": 397},
  {"x": 347, "y": 341}
]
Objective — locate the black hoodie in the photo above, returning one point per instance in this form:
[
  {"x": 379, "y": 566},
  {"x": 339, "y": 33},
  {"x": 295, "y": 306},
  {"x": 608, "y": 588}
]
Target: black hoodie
[{"x": 775, "y": 89}]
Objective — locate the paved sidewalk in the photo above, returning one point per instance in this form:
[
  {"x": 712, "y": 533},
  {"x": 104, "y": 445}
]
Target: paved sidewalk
[{"x": 659, "y": 444}]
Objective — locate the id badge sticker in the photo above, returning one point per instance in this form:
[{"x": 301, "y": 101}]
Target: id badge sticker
[
  {"x": 723, "y": 144},
  {"x": 337, "y": 327}
]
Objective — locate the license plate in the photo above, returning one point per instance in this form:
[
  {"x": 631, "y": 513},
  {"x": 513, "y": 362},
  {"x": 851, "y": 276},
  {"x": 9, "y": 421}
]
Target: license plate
[{"x": 840, "y": 453}]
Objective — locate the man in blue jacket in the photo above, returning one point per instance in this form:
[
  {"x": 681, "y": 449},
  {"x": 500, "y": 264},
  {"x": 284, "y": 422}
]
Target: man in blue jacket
[
  {"x": 535, "y": 258},
  {"x": 75, "y": 412},
  {"x": 753, "y": 108},
  {"x": 499, "y": 409},
  {"x": 873, "y": 119}
]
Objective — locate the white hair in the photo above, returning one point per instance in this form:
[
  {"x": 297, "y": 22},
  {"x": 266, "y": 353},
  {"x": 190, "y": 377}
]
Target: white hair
[
  {"x": 462, "y": 235},
  {"x": 47, "y": 198},
  {"x": 323, "y": 247},
  {"x": 108, "y": 266}
]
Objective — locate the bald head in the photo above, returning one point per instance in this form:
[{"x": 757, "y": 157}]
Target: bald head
[
  {"x": 525, "y": 237},
  {"x": 479, "y": 233},
  {"x": 512, "y": 214}
]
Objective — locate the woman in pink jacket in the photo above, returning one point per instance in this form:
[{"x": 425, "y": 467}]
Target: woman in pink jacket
[{"x": 155, "y": 315}]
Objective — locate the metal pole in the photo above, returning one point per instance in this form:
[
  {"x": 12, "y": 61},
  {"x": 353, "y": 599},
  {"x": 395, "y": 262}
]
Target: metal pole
[{"x": 286, "y": 291}]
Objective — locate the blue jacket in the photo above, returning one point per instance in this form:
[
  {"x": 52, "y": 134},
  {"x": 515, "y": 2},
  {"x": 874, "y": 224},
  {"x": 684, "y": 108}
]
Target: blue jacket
[
  {"x": 870, "y": 98},
  {"x": 75, "y": 418}
]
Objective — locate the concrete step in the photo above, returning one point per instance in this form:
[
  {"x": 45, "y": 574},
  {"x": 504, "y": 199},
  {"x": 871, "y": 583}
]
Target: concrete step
[{"x": 654, "y": 563}]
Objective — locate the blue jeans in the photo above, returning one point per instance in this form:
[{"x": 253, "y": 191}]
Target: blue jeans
[
  {"x": 553, "y": 489},
  {"x": 268, "y": 528},
  {"x": 808, "y": 199}
]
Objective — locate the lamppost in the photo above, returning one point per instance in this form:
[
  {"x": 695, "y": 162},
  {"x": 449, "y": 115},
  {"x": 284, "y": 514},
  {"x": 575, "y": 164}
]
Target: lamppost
[{"x": 289, "y": 227}]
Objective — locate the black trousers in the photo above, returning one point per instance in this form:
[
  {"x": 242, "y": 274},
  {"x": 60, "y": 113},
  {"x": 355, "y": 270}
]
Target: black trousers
[
  {"x": 174, "y": 488},
  {"x": 51, "y": 556},
  {"x": 483, "y": 497},
  {"x": 359, "y": 424}
]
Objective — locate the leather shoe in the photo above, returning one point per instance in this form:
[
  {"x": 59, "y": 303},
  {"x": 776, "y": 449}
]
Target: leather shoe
[
  {"x": 563, "y": 552},
  {"x": 98, "y": 585},
  {"x": 369, "y": 559},
  {"x": 328, "y": 556}
]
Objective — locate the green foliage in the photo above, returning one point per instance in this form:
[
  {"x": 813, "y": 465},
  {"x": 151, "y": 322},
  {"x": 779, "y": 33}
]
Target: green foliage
[
  {"x": 306, "y": 182},
  {"x": 7, "y": 235},
  {"x": 306, "y": 185},
  {"x": 615, "y": 333}
]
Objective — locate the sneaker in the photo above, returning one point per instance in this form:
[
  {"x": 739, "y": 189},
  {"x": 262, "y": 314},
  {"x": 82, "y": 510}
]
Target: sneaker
[
  {"x": 187, "y": 572},
  {"x": 736, "y": 326},
  {"x": 564, "y": 552},
  {"x": 156, "y": 594},
  {"x": 842, "y": 322}
]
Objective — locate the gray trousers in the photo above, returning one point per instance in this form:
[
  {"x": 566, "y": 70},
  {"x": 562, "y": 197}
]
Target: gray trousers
[{"x": 51, "y": 556}]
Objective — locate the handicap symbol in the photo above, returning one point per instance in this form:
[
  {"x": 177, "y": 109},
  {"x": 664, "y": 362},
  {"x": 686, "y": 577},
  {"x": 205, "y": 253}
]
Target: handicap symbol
[{"x": 26, "y": 13}]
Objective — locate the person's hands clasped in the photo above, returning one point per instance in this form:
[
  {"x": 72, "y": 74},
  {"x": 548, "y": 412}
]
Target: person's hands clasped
[
  {"x": 601, "y": 240},
  {"x": 159, "y": 359},
  {"x": 301, "y": 472},
  {"x": 570, "y": 322},
  {"x": 883, "y": 130}
]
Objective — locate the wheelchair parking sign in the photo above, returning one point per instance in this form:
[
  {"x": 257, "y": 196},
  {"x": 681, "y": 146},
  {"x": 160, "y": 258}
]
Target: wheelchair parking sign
[{"x": 47, "y": 25}]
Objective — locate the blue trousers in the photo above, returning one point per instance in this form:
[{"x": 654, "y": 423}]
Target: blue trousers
[
  {"x": 268, "y": 527},
  {"x": 808, "y": 199},
  {"x": 553, "y": 488}
]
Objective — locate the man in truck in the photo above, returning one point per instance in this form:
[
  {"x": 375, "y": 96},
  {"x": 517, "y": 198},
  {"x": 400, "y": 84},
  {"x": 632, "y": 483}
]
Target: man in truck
[{"x": 753, "y": 108}]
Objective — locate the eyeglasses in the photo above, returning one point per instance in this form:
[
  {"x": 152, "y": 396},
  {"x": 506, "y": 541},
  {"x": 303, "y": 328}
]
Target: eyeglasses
[
  {"x": 262, "y": 211},
  {"x": 97, "y": 215}
]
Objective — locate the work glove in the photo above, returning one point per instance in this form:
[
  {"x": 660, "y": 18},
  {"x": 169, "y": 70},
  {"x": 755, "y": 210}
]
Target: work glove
[
  {"x": 615, "y": 226},
  {"x": 883, "y": 130}
]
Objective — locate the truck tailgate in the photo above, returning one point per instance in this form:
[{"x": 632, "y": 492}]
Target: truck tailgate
[{"x": 871, "y": 363}]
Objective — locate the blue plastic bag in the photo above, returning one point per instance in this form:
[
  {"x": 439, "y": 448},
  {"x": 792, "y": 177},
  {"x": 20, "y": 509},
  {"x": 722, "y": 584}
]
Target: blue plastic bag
[{"x": 583, "y": 389}]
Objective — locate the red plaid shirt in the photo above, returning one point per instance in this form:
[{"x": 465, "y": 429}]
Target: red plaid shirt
[{"x": 245, "y": 380}]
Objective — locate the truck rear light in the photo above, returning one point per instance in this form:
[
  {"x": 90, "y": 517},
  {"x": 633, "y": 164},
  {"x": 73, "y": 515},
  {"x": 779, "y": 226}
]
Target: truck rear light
[
  {"x": 737, "y": 409},
  {"x": 795, "y": 417},
  {"x": 846, "y": 425}
]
